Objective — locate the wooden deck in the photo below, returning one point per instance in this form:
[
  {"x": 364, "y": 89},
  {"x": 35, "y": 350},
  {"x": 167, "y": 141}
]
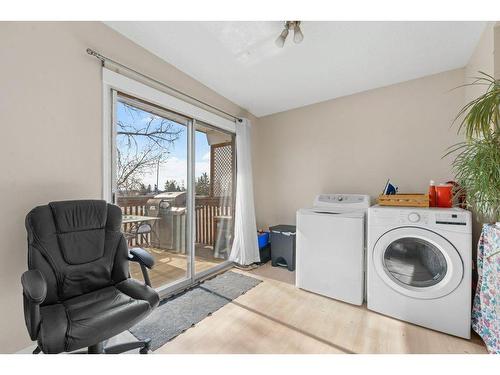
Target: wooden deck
[{"x": 171, "y": 266}]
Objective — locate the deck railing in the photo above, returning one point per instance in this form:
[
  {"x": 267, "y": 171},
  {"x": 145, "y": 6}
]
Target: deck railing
[
  {"x": 134, "y": 205},
  {"x": 206, "y": 210}
]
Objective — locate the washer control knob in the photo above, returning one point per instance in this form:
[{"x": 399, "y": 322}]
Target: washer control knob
[
  {"x": 413, "y": 217},
  {"x": 340, "y": 198}
]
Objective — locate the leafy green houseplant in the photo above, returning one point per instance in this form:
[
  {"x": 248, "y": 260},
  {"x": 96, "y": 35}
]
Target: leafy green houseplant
[{"x": 477, "y": 159}]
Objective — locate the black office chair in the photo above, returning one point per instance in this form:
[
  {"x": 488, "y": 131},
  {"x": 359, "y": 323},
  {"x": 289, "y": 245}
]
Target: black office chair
[{"x": 78, "y": 291}]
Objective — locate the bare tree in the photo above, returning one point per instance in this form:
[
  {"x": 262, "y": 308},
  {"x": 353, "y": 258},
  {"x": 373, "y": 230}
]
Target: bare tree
[{"x": 143, "y": 142}]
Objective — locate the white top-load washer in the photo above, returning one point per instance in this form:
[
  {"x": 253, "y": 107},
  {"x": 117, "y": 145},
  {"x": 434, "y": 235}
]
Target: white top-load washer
[
  {"x": 330, "y": 247},
  {"x": 419, "y": 266}
]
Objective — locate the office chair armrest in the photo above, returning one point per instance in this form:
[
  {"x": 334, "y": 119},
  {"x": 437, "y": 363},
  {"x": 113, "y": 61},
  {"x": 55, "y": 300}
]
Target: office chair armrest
[
  {"x": 34, "y": 293},
  {"x": 145, "y": 260},
  {"x": 34, "y": 286},
  {"x": 141, "y": 256}
]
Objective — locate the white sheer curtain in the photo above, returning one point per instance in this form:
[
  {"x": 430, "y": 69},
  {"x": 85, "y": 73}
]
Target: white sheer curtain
[{"x": 245, "y": 248}]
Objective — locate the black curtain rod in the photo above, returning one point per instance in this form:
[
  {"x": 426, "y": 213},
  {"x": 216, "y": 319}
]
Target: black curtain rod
[{"x": 104, "y": 59}]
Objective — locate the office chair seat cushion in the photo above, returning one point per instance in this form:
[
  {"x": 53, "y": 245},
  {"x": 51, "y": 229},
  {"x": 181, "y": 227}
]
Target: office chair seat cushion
[{"x": 96, "y": 316}]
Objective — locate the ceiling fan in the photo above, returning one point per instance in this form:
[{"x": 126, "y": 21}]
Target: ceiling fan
[{"x": 297, "y": 33}]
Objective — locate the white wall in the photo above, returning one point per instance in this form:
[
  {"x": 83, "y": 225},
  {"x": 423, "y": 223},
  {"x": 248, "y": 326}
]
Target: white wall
[
  {"x": 353, "y": 144},
  {"x": 50, "y": 116},
  {"x": 482, "y": 60},
  {"x": 496, "y": 48}
]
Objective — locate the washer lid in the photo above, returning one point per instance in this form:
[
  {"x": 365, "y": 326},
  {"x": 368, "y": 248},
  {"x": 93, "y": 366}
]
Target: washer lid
[
  {"x": 330, "y": 212},
  {"x": 417, "y": 263}
]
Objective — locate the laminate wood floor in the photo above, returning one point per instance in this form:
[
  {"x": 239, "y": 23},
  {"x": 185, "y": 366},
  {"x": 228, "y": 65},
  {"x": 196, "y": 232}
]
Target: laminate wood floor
[{"x": 275, "y": 317}]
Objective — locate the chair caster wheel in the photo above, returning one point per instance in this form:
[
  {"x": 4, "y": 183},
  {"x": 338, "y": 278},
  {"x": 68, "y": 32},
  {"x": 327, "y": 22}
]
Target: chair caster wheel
[{"x": 147, "y": 347}]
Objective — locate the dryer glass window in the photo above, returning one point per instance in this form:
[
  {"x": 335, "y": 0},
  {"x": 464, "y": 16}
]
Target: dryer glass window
[{"x": 415, "y": 262}]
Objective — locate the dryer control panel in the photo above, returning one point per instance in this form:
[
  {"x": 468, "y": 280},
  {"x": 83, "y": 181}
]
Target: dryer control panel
[
  {"x": 453, "y": 219},
  {"x": 413, "y": 217},
  {"x": 354, "y": 201}
]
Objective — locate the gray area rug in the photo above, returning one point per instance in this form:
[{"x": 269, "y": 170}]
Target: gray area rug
[{"x": 177, "y": 314}]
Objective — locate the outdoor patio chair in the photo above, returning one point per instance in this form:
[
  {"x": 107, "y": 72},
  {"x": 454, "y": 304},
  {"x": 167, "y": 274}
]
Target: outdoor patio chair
[{"x": 140, "y": 232}]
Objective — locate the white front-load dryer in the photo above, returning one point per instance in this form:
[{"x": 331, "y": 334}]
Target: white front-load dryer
[{"x": 419, "y": 266}]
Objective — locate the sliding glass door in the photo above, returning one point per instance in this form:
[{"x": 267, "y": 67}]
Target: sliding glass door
[
  {"x": 173, "y": 177},
  {"x": 150, "y": 185},
  {"x": 214, "y": 196}
]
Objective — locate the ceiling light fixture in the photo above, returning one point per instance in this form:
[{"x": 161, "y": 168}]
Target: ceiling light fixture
[{"x": 297, "y": 33}]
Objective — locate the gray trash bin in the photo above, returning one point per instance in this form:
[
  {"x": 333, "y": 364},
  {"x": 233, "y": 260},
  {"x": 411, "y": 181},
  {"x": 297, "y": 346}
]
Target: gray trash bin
[{"x": 283, "y": 246}]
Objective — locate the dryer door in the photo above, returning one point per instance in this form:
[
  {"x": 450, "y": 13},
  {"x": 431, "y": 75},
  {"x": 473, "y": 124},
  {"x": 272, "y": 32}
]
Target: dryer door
[{"x": 417, "y": 263}]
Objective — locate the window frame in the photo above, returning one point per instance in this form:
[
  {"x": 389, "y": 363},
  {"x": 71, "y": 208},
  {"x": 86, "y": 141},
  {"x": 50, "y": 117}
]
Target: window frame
[{"x": 112, "y": 83}]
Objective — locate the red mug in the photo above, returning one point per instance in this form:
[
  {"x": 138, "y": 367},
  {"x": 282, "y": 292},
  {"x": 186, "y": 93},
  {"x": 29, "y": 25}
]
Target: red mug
[{"x": 444, "y": 195}]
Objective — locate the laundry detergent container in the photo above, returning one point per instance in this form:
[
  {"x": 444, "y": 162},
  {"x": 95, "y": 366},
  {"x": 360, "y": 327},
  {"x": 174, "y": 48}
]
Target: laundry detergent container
[{"x": 283, "y": 246}]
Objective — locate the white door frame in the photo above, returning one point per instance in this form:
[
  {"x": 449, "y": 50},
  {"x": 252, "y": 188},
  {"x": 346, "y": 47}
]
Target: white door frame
[
  {"x": 115, "y": 81},
  {"x": 112, "y": 83}
]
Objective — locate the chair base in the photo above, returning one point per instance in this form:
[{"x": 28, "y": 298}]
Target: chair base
[
  {"x": 143, "y": 345},
  {"x": 99, "y": 348}
]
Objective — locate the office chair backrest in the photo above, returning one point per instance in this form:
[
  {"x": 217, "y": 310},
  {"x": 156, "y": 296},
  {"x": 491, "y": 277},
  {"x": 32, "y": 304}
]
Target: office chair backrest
[{"x": 77, "y": 246}]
